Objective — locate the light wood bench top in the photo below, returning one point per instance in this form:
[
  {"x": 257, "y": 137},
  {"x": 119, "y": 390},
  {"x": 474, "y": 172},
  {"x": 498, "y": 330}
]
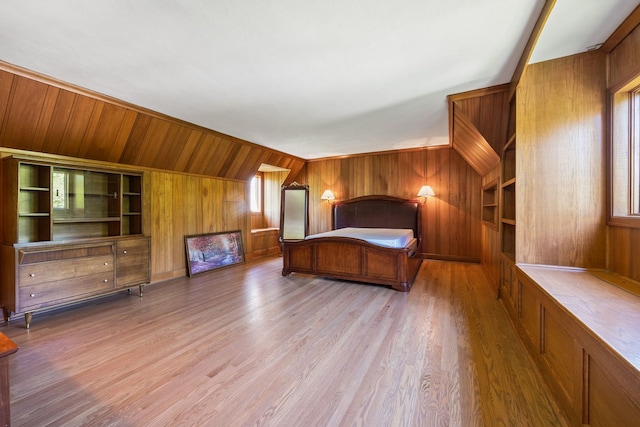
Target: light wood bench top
[
  {"x": 605, "y": 303},
  {"x": 7, "y": 346}
]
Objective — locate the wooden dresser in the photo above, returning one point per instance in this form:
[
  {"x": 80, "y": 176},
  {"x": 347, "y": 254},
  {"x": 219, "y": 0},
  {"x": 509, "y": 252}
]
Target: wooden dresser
[{"x": 70, "y": 233}]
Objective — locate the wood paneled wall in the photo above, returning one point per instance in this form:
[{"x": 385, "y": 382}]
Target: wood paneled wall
[
  {"x": 43, "y": 115},
  {"x": 561, "y": 216},
  {"x": 183, "y": 205},
  {"x": 450, "y": 221},
  {"x": 623, "y": 60},
  {"x": 624, "y": 243},
  {"x": 272, "y": 189},
  {"x": 485, "y": 113}
]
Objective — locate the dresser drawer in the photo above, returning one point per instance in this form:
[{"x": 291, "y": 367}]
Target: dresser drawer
[
  {"x": 132, "y": 261},
  {"x": 31, "y": 297},
  {"x": 64, "y": 270}
]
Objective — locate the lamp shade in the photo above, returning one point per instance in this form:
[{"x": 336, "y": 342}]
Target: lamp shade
[
  {"x": 426, "y": 191},
  {"x": 327, "y": 195}
]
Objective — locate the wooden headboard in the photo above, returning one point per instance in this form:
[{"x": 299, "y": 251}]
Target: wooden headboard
[{"x": 378, "y": 212}]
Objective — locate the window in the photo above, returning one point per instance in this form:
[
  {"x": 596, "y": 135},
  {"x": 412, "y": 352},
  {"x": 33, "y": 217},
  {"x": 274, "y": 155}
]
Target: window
[
  {"x": 60, "y": 190},
  {"x": 635, "y": 150},
  {"x": 68, "y": 191},
  {"x": 624, "y": 171},
  {"x": 256, "y": 194}
]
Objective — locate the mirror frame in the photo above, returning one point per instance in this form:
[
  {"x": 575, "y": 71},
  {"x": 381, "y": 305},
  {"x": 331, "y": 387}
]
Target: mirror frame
[{"x": 301, "y": 213}]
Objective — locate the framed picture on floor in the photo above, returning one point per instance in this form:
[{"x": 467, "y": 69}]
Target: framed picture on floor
[{"x": 210, "y": 251}]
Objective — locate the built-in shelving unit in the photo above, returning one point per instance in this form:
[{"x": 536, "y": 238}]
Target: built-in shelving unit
[
  {"x": 508, "y": 197},
  {"x": 508, "y": 283},
  {"x": 490, "y": 204}
]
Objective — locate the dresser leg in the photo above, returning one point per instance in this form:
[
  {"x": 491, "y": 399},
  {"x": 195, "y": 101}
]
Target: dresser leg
[
  {"x": 141, "y": 286},
  {"x": 27, "y": 319}
]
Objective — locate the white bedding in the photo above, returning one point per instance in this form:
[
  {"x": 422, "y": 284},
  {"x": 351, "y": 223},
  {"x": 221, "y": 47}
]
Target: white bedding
[{"x": 387, "y": 237}]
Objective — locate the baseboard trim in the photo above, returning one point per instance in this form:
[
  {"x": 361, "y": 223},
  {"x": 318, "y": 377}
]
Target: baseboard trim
[{"x": 456, "y": 258}]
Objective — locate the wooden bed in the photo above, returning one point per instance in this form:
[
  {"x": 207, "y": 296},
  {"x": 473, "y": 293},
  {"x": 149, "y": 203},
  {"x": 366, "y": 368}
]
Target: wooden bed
[{"x": 354, "y": 259}]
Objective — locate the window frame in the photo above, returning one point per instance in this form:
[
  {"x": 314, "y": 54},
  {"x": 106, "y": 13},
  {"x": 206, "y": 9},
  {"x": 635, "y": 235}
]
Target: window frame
[
  {"x": 634, "y": 151},
  {"x": 623, "y": 165}
]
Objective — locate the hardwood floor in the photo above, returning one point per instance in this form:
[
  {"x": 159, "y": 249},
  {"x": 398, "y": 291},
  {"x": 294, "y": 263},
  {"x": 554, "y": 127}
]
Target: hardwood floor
[{"x": 246, "y": 346}]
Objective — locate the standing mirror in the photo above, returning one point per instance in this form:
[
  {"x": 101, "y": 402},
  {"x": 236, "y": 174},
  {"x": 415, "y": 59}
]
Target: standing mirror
[{"x": 294, "y": 212}]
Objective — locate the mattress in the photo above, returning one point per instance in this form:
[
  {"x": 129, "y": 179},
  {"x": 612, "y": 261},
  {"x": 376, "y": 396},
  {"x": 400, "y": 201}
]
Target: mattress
[{"x": 386, "y": 237}]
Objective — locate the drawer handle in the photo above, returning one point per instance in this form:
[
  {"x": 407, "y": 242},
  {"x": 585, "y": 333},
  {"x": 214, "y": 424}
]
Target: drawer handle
[
  {"x": 32, "y": 274},
  {"x": 106, "y": 280},
  {"x": 106, "y": 263},
  {"x": 124, "y": 252},
  {"x": 32, "y": 295}
]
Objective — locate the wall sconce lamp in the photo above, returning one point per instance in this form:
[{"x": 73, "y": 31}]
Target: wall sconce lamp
[
  {"x": 426, "y": 191},
  {"x": 328, "y": 196}
]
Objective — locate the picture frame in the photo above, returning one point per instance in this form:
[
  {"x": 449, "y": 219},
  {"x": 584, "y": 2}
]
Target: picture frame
[{"x": 211, "y": 251}]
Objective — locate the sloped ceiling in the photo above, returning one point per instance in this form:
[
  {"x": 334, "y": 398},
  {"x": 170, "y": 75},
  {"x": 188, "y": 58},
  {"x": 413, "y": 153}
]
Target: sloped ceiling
[
  {"x": 307, "y": 78},
  {"x": 37, "y": 114}
]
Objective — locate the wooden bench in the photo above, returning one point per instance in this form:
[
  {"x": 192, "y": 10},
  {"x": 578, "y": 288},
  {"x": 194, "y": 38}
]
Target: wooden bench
[{"x": 582, "y": 328}]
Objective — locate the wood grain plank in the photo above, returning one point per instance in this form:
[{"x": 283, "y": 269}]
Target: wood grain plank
[
  {"x": 246, "y": 346},
  {"x": 211, "y": 148},
  {"x": 151, "y": 143},
  {"x": 471, "y": 145},
  {"x": 76, "y": 126},
  {"x": 623, "y": 63},
  {"x": 183, "y": 204},
  {"x": 135, "y": 140},
  {"x": 45, "y": 118},
  {"x": 108, "y": 128},
  {"x": 91, "y": 131},
  {"x": 221, "y": 164},
  {"x": 560, "y": 163},
  {"x": 240, "y": 158},
  {"x": 191, "y": 146},
  {"x": 211, "y": 191},
  {"x": 25, "y": 104},
  {"x": 119, "y": 144},
  {"x": 6, "y": 83},
  {"x": 173, "y": 143}
]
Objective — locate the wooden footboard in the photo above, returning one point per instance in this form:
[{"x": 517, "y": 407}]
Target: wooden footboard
[{"x": 353, "y": 259}]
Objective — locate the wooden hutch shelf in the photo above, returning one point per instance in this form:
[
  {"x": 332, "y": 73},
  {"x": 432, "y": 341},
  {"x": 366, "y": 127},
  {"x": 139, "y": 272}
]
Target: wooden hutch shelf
[{"x": 70, "y": 233}]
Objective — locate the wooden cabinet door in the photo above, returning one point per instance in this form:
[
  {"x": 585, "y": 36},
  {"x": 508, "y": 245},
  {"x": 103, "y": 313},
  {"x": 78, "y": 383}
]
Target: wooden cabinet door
[{"x": 132, "y": 261}]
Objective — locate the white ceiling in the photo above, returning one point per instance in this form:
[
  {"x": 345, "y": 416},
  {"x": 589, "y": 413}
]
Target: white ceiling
[{"x": 309, "y": 78}]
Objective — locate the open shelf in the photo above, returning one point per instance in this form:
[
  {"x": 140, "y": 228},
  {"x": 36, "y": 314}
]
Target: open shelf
[
  {"x": 490, "y": 204},
  {"x": 57, "y": 201}
]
